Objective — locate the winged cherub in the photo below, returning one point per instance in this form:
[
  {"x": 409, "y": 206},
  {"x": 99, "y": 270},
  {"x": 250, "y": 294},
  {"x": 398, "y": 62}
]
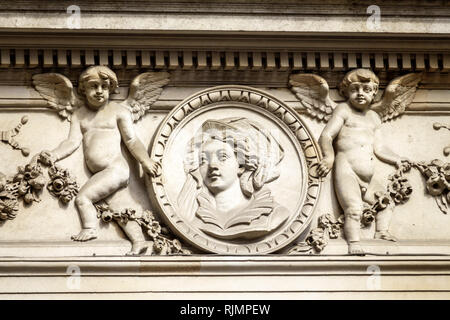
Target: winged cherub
[
  {"x": 354, "y": 126},
  {"x": 102, "y": 125}
]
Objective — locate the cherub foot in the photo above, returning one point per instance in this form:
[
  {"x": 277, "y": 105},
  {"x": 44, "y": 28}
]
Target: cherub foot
[
  {"x": 137, "y": 248},
  {"x": 355, "y": 249},
  {"x": 385, "y": 235},
  {"x": 85, "y": 235}
]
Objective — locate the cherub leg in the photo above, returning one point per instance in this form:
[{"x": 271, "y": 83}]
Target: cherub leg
[
  {"x": 134, "y": 232},
  {"x": 348, "y": 192},
  {"x": 99, "y": 186},
  {"x": 383, "y": 218}
]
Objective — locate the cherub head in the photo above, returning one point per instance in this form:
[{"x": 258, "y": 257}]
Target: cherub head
[
  {"x": 96, "y": 83},
  {"x": 360, "y": 87}
]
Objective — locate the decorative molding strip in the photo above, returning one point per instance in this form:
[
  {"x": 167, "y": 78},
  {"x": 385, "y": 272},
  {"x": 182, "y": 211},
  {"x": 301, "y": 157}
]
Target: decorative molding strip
[
  {"x": 225, "y": 265},
  {"x": 209, "y": 276},
  {"x": 292, "y": 7},
  {"x": 224, "y": 60}
]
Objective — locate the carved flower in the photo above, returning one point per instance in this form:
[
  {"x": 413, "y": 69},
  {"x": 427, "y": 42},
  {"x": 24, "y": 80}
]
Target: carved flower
[
  {"x": 406, "y": 190},
  {"x": 154, "y": 230},
  {"x": 176, "y": 245},
  {"x": 147, "y": 216},
  {"x": 368, "y": 216},
  {"x": 58, "y": 185},
  {"x": 159, "y": 246},
  {"x": 325, "y": 221},
  {"x": 107, "y": 216},
  {"x": 130, "y": 214},
  {"x": 394, "y": 187},
  {"x": 435, "y": 185},
  {"x": 383, "y": 200},
  {"x": 317, "y": 240},
  {"x": 399, "y": 198},
  {"x": 62, "y": 185},
  {"x": 446, "y": 171},
  {"x": 334, "y": 231}
]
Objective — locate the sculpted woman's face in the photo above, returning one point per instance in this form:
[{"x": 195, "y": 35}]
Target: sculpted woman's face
[{"x": 219, "y": 166}]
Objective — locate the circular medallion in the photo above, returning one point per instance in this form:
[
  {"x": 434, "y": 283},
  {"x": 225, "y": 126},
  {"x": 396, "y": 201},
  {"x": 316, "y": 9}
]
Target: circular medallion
[{"x": 238, "y": 171}]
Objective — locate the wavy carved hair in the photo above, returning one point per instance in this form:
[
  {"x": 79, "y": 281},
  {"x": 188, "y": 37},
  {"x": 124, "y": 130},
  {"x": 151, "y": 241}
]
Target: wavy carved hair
[
  {"x": 358, "y": 75},
  {"x": 101, "y": 72},
  {"x": 254, "y": 153}
]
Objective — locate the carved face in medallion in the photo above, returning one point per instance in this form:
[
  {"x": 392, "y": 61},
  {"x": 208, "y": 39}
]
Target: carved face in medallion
[
  {"x": 241, "y": 185},
  {"x": 229, "y": 162},
  {"x": 219, "y": 166}
]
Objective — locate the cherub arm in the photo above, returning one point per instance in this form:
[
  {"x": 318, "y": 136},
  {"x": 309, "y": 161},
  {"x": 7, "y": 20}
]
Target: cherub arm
[
  {"x": 134, "y": 144},
  {"x": 68, "y": 146},
  {"x": 330, "y": 132},
  {"x": 383, "y": 152}
]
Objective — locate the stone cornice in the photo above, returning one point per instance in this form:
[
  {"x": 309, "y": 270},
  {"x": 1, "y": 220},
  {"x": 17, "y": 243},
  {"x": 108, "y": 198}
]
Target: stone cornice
[
  {"x": 225, "y": 265},
  {"x": 217, "y": 277},
  {"x": 262, "y": 7},
  {"x": 215, "y": 58}
]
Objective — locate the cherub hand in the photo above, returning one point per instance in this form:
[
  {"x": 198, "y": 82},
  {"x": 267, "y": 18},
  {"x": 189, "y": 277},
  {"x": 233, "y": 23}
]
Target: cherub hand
[
  {"x": 151, "y": 167},
  {"x": 47, "y": 158},
  {"x": 325, "y": 166}
]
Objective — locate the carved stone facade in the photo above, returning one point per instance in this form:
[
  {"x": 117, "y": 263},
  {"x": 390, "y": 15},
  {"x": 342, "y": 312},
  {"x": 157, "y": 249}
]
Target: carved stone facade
[{"x": 253, "y": 141}]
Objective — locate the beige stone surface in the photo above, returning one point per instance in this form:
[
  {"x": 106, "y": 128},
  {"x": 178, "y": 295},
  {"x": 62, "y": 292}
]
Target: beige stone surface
[
  {"x": 410, "y": 135},
  {"x": 224, "y": 23},
  {"x": 224, "y": 43},
  {"x": 208, "y": 278}
]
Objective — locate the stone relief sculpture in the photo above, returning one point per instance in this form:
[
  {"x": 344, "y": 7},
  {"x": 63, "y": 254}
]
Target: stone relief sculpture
[
  {"x": 398, "y": 191},
  {"x": 437, "y": 175},
  {"x": 438, "y": 126},
  {"x": 353, "y": 126},
  {"x": 101, "y": 125},
  {"x": 162, "y": 244},
  {"x": 245, "y": 184},
  {"x": 7, "y": 136},
  {"x": 29, "y": 182},
  {"x": 229, "y": 162}
]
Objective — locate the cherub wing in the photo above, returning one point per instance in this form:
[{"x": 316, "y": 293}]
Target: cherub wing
[
  {"x": 145, "y": 89},
  {"x": 314, "y": 94},
  {"x": 397, "y": 96},
  {"x": 59, "y": 93}
]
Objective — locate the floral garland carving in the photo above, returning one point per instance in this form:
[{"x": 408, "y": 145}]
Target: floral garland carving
[
  {"x": 28, "y": 183},
  {"x": 162, "y": 244},
  {"x": 437, "y": 175},
  {"x": 398, "y": 191},
  {"x": 328, "y": 227}
]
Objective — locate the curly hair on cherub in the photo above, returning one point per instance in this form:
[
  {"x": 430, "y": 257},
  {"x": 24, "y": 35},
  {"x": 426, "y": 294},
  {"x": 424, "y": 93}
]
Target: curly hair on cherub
[
  {"x": 358, "y": 75},
  {"x": 101, "y": 72}
]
